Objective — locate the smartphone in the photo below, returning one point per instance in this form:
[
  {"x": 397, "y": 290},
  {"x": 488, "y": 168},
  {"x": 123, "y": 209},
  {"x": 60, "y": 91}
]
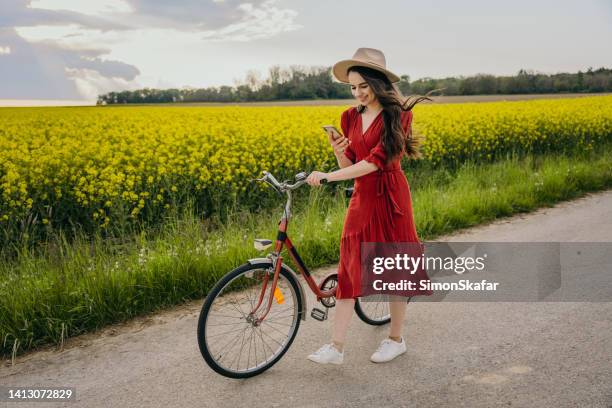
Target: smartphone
[{"x": 334, "y": 132}]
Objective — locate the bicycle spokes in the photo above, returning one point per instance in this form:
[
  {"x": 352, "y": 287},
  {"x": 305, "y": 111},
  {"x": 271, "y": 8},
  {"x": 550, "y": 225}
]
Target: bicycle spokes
[{"x": 238, "y": 340}]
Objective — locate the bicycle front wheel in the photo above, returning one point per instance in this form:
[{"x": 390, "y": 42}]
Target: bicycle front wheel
[{"x": 230, "y": 339}]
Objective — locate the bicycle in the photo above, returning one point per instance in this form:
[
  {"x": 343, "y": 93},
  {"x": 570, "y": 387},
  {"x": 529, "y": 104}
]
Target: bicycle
[{"x": 237, "y": 313}]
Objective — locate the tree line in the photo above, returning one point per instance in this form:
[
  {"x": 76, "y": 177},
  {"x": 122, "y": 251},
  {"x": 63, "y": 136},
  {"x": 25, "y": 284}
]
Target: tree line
[{"x": 300, "y": 83}]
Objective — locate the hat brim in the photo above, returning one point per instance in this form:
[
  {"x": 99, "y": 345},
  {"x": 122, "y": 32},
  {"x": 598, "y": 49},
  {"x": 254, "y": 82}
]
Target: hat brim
[{"x": 340, "y": 70}]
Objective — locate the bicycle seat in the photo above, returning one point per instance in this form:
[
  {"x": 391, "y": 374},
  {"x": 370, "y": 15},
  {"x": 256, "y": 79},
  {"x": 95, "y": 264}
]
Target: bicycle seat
[{"x": 262, "y": 244}]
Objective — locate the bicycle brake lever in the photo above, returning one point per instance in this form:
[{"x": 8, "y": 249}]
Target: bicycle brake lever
[{"x": 266, "y": 178}]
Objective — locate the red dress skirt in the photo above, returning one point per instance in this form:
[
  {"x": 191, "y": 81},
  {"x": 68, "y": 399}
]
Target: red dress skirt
[{"x": 380, "y": 209}]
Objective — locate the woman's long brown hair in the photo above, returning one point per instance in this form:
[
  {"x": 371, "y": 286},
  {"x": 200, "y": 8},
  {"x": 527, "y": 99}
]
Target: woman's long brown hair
[{"x": 394, "y": 140}]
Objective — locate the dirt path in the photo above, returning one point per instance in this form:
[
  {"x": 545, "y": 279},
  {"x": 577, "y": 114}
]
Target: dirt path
[{"x": 459, "y": 354}]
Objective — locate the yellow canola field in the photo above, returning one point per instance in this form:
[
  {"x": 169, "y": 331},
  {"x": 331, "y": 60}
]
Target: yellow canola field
[{"x": 60, "y": 165}]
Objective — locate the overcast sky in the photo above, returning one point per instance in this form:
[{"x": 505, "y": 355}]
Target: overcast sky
[{"x": 76, "y": 49}]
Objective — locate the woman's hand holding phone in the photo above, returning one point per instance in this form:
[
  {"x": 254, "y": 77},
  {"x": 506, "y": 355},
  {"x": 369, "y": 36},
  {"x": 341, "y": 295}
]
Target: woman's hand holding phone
[
  {"x": 336, "y": 140},
  {"x": 339, "y": 145}
]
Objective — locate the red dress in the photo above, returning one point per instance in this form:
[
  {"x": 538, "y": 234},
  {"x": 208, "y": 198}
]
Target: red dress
[{"x": 380, "y": 209}]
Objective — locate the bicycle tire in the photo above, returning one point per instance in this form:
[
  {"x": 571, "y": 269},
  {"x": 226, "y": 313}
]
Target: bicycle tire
[
  {"x": 370, "y": 318},
  {"x": 214, "y": 294}
]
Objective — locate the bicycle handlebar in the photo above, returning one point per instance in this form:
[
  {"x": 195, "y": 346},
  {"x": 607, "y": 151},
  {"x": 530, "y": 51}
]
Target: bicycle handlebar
[{"x": 284, "y": 186}]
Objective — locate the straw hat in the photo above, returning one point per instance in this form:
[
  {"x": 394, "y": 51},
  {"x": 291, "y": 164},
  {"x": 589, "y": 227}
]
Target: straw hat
[{"x": 364, "y": 57}]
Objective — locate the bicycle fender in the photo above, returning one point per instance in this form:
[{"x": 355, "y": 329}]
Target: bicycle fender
[{"x": 291, "y": 272}]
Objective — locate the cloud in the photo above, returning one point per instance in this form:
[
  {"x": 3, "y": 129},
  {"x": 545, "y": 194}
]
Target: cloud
[
  {"x": 84, "y": 7},
  {"x": 196, "y": 15},
  {"x": 257, "y": 23},
  {"x": 46, "y": 71},
  {"x": 90, "y": 82},
  {"x": 69, "y": 45},
  {"x": 30, "y": 72},
  {"x": 19, "y": 13}
]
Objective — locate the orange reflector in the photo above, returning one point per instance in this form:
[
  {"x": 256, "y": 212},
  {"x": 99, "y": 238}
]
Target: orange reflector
[{"x": 278, "y": 295}]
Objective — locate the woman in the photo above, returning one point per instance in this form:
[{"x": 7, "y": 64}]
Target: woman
[{"x": 377, "y": 133}]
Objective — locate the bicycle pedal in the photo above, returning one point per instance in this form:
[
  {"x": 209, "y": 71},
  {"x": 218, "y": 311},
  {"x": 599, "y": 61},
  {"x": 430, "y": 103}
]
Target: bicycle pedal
[{"x": 319, "y": 314}]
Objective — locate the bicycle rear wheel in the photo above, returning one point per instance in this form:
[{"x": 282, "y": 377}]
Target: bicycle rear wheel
[
  {"x": 374, "y": 310},
  {"x": 230, "y": 340}
]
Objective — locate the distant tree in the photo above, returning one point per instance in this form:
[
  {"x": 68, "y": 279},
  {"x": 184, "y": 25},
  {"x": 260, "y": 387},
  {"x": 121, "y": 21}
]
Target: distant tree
[{"x": 300, "y": 82}]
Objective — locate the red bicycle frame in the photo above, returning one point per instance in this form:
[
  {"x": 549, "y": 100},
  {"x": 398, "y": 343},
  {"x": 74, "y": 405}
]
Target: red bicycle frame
[{"x": 277, "y": 260}]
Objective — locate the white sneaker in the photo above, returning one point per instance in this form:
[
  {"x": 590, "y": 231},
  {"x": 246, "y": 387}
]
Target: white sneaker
[
  {"x": 388, "y": 350},
  {"x": 327, "y": 354}
]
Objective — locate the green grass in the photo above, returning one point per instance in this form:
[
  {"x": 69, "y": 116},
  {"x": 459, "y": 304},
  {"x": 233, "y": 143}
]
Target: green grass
[{"x": 84, "y": 285}]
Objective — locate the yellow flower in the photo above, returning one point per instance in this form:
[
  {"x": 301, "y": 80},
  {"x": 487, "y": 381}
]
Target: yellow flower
[{"x": 209, "y": 149}]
